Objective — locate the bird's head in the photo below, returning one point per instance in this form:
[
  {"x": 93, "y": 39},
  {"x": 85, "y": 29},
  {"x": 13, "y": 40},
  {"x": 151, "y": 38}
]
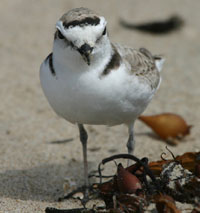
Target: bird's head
[{"x": 83, "y": 31}]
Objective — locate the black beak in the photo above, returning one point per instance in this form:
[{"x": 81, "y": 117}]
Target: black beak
[{"x": 85, "y": 51}]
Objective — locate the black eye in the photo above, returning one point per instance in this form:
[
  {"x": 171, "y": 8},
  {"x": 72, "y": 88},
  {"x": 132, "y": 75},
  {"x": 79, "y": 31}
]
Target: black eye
[
  {"x": 60, "y": 35},
  {"x": 104, "y": 32}
]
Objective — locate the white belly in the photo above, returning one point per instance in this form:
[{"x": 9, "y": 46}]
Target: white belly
[{"x": 87, "y": 98}]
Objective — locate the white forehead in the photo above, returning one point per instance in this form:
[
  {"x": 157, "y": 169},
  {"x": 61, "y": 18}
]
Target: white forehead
[{"x": 80, "y": 34}]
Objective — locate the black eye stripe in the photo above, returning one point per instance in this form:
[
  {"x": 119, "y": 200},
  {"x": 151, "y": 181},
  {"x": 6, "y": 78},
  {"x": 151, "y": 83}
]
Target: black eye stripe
[{"x": 60, "y": 35}]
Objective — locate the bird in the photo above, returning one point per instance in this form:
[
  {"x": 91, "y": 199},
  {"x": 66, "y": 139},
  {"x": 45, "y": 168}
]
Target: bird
[{"x": 88, "y": 80}]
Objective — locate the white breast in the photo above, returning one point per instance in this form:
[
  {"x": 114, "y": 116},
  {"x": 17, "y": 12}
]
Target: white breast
[{"x": 88, "y": 98}]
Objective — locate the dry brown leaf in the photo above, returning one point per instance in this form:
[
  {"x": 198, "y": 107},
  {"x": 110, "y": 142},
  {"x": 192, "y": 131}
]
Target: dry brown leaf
[
  {"x": 165, "y": 204},
  {"x": 127, "y": 182},
  {"x": 189, "y": 160},
  {"x": 135, "y": 169},
  {"x": 130, "y": 203},
  {"x": 167, "y": 126},
  {"x": 107, "y": 187}
]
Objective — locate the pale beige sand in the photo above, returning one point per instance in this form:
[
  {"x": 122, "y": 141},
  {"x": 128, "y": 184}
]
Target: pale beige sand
[{"x": 32, "y": 170}]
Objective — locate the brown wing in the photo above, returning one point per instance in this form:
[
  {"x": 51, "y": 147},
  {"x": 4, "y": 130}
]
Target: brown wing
[{"x": 141, "y": 63}]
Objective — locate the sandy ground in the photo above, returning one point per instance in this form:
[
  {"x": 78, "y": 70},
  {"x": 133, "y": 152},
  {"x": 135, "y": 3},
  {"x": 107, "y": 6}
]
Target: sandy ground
[{"x": 32, "y": 168}]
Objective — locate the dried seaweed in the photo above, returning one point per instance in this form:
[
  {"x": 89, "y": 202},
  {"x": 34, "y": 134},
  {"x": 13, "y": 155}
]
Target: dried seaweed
[
  {"x": 134, "y": 188},
  {"x": 170, "y": 127}
]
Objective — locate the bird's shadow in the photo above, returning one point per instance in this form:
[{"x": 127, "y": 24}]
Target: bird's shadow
[
  {"x": 42, "y": 183},
  {"x": 152, "y": 135},
  {"x": 155, "y": 137}
]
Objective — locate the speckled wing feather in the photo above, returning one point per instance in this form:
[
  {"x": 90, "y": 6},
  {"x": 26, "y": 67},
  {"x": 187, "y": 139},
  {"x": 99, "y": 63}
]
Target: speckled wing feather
[{"x": 140, "y": 63}]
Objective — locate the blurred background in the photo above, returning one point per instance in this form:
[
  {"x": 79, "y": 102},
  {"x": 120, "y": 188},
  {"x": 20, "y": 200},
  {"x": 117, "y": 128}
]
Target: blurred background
[{"x": 32, "y": 167}]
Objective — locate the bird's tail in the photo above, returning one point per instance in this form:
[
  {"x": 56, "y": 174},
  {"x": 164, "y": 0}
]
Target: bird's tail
[{"x": 159, "y": 61}]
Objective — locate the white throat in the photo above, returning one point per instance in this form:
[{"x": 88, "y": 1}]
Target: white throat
[{"x": 65, "y": 58}]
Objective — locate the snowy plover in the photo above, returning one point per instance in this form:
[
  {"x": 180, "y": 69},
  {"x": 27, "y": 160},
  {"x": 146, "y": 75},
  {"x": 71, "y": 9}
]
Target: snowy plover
[{"x": 89, "y": 80}]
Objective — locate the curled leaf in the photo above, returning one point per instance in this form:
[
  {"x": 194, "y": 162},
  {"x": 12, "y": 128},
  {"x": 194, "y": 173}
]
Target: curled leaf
[
  {"x": 189, "y": 160},
  {"x": 167, "y": 126},
  {"x": 108, "y": 187},
  {"x": 135, "y": 169},
  {"x": 127, "y": 182},
  {"x": 165, "y": 204},
  {"x": 130, "y": 203}
]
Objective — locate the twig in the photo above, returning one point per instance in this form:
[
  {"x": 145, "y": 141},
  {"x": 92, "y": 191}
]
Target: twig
[
  {"x": 170, "y": 152},
  {"x": 131, "y": 157}
]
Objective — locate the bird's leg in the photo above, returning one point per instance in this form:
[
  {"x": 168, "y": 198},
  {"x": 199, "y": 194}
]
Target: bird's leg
[
  {"x": 131, "y": 142},
  {"x": 83, "y": 139}
]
